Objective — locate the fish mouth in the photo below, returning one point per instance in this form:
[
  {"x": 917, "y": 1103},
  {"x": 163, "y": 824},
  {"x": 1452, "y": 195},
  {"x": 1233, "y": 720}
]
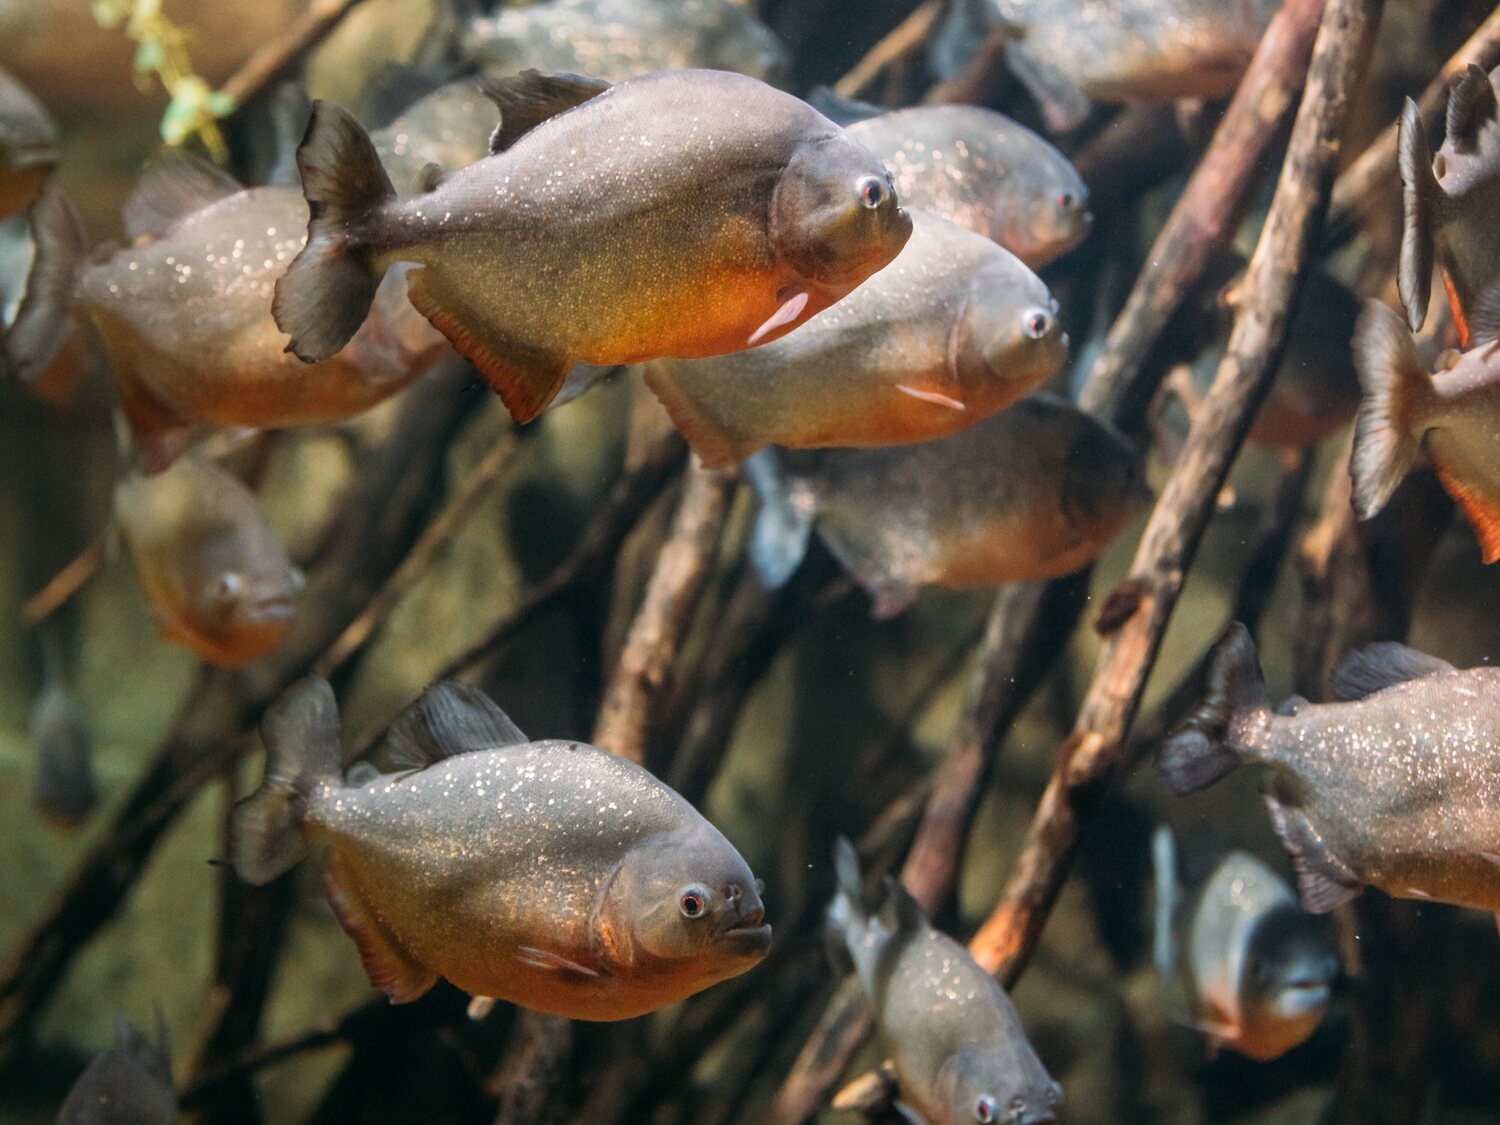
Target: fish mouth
[
  {"x": 752, "y": 941},
  {"x": 276, "y": 607},
  {"x": 32, "y": 156}
]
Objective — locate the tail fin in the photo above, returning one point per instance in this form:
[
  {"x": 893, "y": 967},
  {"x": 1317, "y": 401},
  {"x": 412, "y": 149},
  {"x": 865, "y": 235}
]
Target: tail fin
[
  {"x": 1202, "y": 752},
  {"x": 1420, "y": 193},
  {"x": 778, "y": 542},
  {"x": 324, "y": 297},
  {"x": 1397, "y": 397},
  {"x": 846, "y": 912},
  {"x": 1168, "y": 894},
  {"x": 41, "y": 326},
  {"x": 301, "y": 733}
]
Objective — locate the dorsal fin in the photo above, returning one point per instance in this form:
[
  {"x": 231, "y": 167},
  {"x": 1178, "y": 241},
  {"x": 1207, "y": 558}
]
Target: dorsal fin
[
  {"x": 1471, "y": 106},
  {"x": 172, "y": 187},
  {"x": 449, "y": 718},
  {"x": 841, "y": 110},
  {"x": 527, "y": 99},
  {"x": 1379, "y": 666},
  {"x": 901, "y": 911}
]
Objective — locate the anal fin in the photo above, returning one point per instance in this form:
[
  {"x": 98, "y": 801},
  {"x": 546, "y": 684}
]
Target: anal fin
[
  {"x": 388, "y": 969},
  {"x": 1324, "y": 881},
  {"x": 1481, "y": 508},
  {"x": 715, "y": 446},
  {"x": 527, "y": 378},
  {"x": 161, "y": 435}
]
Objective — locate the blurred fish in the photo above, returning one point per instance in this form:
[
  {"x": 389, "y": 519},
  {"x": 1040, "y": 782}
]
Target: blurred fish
[
  {"x": 957, "y": 1043},
  {"x": 129, "y": 1084},
  {"x": 444, "y": 129},
  {"x": 28, "y": 146},
  {"x": 685, "y": 214},
  {"x": 1450, "y": 205},
  {"x": 955, "y": 329},
  {"x": 1069, "y": 52},
  {"x": 983, "y": 171},
  {"x": 1455, "y": 413},
  {"x": 1396, "y": 787},
  {"x": 552, "y": 874},
  {"x": 65, "y": 790},
  {"x": 213, "y": 571},
  {"x": 185, "y": 312},
  {"x": 1037, "y": 491},
  {"x": 619, "y": 39},
  {"x": 1258, "y": 971}
]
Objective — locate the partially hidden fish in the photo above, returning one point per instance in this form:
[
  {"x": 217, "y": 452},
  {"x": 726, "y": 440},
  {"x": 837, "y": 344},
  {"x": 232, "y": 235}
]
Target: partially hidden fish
[
  {"x": 129, "y": 1084},
  {"x": 1257, "y": 971},
  {"x": 65, "y": 790},
  {"x": 1454, "y": 414},
  {"x": 1069, "y": 53},
  {"x": 214, "y": 573},
  {"x": 619, "y": 39},
  {"x": 550, "y": 874},
  {"x": 185, "y": 312},
  {"x": 28, "y": 146},
  {"x": 1395, "y": 786},
  {"x": 1037, "y": 491},
  {"x": 1450, "y": 202},
  {"x": 955, "y": 329},
  {"x": 447, "y": 128},
  {"x": 683, "y": 214},
  {"x": 981, "y": 170},
  {"x": 955, "y": 1038}
]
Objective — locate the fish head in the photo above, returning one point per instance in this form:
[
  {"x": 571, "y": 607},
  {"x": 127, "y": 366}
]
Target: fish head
[
  {"x": 999, "y": 1084},
  {"x": 1010, "y": 335},
  {"x": 239, "y": 615},
  {"x": 835, "y": 218},
  {"x": 1104, "y": 483},
  {"x": 1289, "y": 972},
  {"x": 686, "y": 903},
  {"x": 1042, "y": 210}
]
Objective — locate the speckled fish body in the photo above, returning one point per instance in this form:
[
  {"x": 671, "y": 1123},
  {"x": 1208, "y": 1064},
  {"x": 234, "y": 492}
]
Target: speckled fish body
[
  {"x": 1453, "y": 414},
  {"x": 186, "y": 320},
  {"x": 1397, "y": 788},
  {"x": 1037, "y": 491},
  {"x": 550, "y": 874},
  {"x": 213, "y": 571},
  {"x": 129, "y": 1084},
  {"x": 954, "y": 1035},
  {"x": 955, "y": 329},
  {"x": 983, "y": 171},
  {"x": 28, "y": 146},
  {"x": 449, "y": 127},
  {"x": 1450, "y": 204},
  {"x": 683, "y": 214},
  {"x": 1257, "y": 970},
  {"x": 619, "y": 39}
]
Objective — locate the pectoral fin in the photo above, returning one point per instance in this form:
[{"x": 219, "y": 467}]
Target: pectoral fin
[
  {"x": 793, "y": 302},
  {"x": 937, "y": 398},
  {"x": 548, "y": 961}
]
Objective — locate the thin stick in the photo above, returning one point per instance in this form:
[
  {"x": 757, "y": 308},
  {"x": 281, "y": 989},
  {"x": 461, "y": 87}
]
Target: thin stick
[
  {"x": 66, "y": 582},
  {"x": 1089, "y": 759},
  {"x": 631, "y": 698},
  {"x": 321, "y": 17},
  {"x": 899, "y": 42},
  {"x": 421, "y": 556}
]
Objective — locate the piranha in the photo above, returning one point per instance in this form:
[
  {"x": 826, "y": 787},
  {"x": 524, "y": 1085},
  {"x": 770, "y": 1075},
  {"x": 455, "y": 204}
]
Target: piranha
[
  {"x": 981, "y": 170},
  {"x": 955, "y": 1038},
  {"x": 1395, "y": 786},
  {"x": 682, "y": 214},
  {"x": 214, "y": 573},
  {"x": 1258, "y": 972},
  {"x": 1037, "y": 491},
  {"x": 28, "y": 146},
  {"x": 1449, "y": 204},
  {"x": 65, "y": 790},
  {"x": 955, "y": 329},
  {"x": 129, "y": 1084},
  {"x": 552, "y": 874},
  {"x": 1454, "y": 413},
  {"x": 1068, "y": 53},
  {"x": 185, "y": 312},
  {"x": 619, "y": 39},
  {"x": 443, "y": 129}
]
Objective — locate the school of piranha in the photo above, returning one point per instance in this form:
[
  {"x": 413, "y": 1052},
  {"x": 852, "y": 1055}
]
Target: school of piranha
[{"x": 847, "y": 304}]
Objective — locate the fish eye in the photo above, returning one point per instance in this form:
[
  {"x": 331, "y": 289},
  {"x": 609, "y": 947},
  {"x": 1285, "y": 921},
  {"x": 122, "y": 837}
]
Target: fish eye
[
  {"x": 986, "y": 1109},
  {"x": 1066, "y": 200},
  {"x": 1037, "y": 324},
  {"x": 872, "y": 192},
  {"x": 693, "y": 901},
  {"x": 229, "y": 586}
]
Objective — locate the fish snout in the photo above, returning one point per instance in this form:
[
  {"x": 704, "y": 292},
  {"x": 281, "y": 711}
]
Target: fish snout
[{"x": 747, "y": 933}]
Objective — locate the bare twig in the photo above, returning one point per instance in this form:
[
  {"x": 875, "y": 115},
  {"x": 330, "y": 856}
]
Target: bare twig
[
  {"x": 268, "y": 61},
  {"x": 1090, "y": 757},
  {"x": 66, "y": 582},
  {"x": 906, "y": 37}
]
